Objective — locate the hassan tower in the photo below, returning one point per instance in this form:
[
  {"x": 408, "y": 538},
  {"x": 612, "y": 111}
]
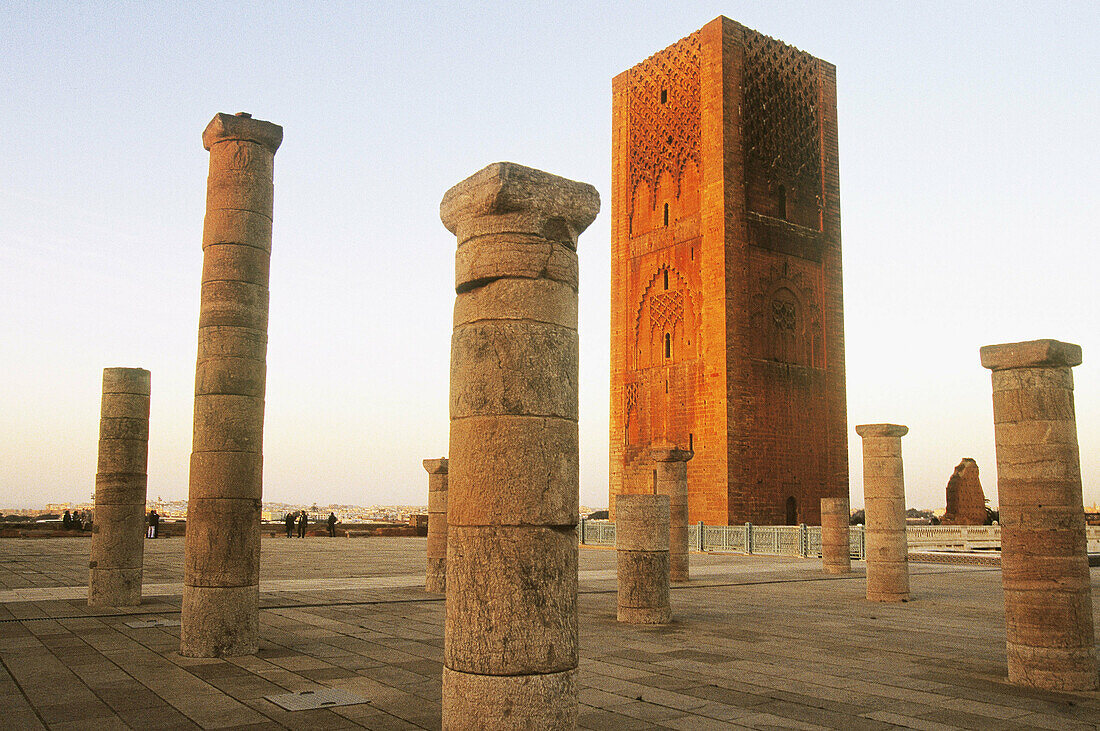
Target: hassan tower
[{"x": 727, "y": 315}]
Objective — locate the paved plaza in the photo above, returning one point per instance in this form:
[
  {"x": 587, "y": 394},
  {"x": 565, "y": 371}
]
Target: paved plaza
[{"x": 757, "y": 642}]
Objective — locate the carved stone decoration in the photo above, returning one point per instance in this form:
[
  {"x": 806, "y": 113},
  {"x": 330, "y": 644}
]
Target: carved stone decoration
[
  {"x": 664, "y": 115},
  {"x": 663, "y": 311},
  {"x": 784, "y": 309},
  {"x": 780, "y": 121}
]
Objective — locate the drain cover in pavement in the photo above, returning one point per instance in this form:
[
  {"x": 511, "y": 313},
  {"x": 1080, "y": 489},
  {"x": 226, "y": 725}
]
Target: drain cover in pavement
[
  {"x": 308, "y": 700},
  {"x": 155, "y": 622}
]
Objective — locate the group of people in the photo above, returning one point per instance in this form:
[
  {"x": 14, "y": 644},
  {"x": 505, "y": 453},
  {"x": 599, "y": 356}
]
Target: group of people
[
  {"x": 75, "y": 520},
  {"x": 301, "y": 519}
]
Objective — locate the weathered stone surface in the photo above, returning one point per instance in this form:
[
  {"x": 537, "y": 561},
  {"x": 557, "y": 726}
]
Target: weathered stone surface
[
  {"x": 644, "y": 584},
  {"x": 235, "y": 263},
  {"x": 884, "y": 498},
  {"x": 509, "y": 198},
  {"x": 436, "y": 576},
  {"x": 118, "y": 536},
  {"x": 135, "y": 381},
  {"x": 236, "y": 475},
  {"x": 507, "y": 471},
  {"x": 965, "y": 497},
  {"x": 228, "y": 423},
  {"x": 118, "y": 532},
  {"x": 236, "y": 304},
  {"x": 1048, "y": 601},
  {"x": 672, "y": 480},
  {"x": 640, "y": 522},
  {"x": 539, "y": 300},
  {"x": 1031, "y": 354},
  {"x": 504, "y": 702},
  {"x": 219, "y": 621},
  {"x": 114, "y": 587},
  {"x": 514, "y": 367},
  {"x": 836, "y": 552},
  {"x": 488, "y": 258},
  {"x": 222, "y": 550},
  {"x": 120, "y": 488},
  {"x": 513, "y": 488},
  {"x": 511, "y": 599},
  {"x": 222, "y": 542},
  {"x": 231, "y": 226}
]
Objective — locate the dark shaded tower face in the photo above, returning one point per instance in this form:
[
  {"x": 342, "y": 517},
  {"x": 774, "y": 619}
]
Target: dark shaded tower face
[{"x": 727, "y": 311}]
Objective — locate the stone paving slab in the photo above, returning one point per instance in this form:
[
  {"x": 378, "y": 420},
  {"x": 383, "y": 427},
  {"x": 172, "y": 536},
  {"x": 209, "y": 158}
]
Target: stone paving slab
[{"x": 757, "y": 642}]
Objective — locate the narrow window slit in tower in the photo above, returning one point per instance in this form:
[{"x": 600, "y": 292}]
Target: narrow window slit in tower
[
  {"x": 666, "y": 214},
  {"x": 668, "y": 345},
  {"x": 666, "y": 279},
  {"x": 691, "y": 442},
  {"x": 664, "y": 96}
]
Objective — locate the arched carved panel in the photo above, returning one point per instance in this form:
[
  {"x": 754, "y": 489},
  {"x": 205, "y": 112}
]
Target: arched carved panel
[
  {"x": 665, "y": 312},
  {"x": 786, "y": 319},
  {"x": 663, "y": 118}
]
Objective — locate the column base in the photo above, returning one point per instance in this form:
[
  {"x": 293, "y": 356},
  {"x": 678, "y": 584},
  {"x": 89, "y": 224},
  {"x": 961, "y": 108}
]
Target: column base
[
  {"x": 1053, "y": 668},
  {"x": 114, "y": 587},
  {"x": 472, "y": 701},
  {"x": 219, "y": 621},
  {"x": 436, "y": 578}
]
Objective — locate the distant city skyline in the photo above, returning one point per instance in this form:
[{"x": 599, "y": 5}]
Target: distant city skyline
[{"x": 967, "y": 168}]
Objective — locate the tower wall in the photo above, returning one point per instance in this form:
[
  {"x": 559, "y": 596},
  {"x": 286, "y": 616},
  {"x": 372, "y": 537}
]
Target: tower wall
[{"x": 727, "y": 313}]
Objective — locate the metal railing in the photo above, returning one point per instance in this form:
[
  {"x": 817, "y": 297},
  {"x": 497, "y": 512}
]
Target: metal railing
[{"x": 805, "y": 540}]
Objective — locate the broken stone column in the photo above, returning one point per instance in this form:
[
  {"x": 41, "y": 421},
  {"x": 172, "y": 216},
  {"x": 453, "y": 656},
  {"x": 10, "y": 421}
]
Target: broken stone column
[
  {"x": 671, "y": 464},
  {"x": 220, "y": 611},
  {"x": 836, "y": 551},
  {"x": 1044, "y": 554},
  {"x": 642, "y": 544},
  {"x": 118, "y": 529},
  {"x": 965, "y": 497},
  {"x": 436, "y": 580},
  {"x": 884, "y": 507},
  {"x": 510, "y": 655}
]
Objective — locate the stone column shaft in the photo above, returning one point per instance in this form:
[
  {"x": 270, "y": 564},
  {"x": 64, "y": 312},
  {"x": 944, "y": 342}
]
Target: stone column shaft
[
  {"x": 118, "y": 529},
  {"x": 1044, "y": 554},
  {"x": 220, "y": 610},
  {"x": 436, "y": 579},
  {"x": 671, "y": 466},
  {"x": 836, "y": 551},
  {"x": 642, "y": 547},
  {"x": 884, "y": 501},
  {"x": 510, "y": 651}
]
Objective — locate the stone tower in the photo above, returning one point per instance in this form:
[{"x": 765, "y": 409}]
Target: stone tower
[{"x": 727, "y": 332}]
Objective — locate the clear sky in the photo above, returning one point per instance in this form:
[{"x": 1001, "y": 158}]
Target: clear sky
[{"x": 968, "y": 185}]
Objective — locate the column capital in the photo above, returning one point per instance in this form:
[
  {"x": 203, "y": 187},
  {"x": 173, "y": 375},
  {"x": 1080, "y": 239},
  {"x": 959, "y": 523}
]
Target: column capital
[
  {"x": 671, "y": 454},
  {"x": 1031, "y": 354},
  {"x": 882, "y": 430},
  {"x": 241, "y": 126},
  {"x": 436, "y": 466},
  {"x": 523, "y": 200}
]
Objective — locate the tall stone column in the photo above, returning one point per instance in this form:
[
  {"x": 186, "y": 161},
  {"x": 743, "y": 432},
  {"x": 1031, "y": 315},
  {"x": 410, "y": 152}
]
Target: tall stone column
[
  {"x": 642, "y": 548},
  {"x": 436, "y": 579},
  {"x": 884, "y": 506},
  {"x": 672, "y": 480},
  {"x": 836, "y": 550},
  {"x": 510, "y": 652},
  {"x": 118, "y": 530},
  {"x": 220, "y": 612},
  {"x": 1044, "y": 553}
]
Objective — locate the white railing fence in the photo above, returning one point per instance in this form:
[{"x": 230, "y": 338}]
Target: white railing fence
[{"x": 805, "y": 540}]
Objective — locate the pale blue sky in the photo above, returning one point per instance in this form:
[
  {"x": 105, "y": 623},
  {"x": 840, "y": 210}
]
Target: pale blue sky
[{"x": 968, "y": 185}]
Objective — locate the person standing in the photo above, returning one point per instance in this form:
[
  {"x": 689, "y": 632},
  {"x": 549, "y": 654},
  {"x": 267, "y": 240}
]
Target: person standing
[
  {"x": 66, "y": 521},
  {"x": 303, "y": 519},
  {"x": 154, "y": 524},
  {"x": 289, "y": 520},
  {"x": 332, "y": 525}
]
